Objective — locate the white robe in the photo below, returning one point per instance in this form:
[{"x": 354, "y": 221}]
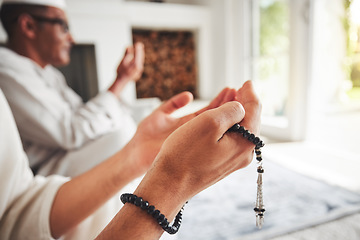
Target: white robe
[
  {"x": 25, "y": 201},
  {"x": 57, "y": 129}
]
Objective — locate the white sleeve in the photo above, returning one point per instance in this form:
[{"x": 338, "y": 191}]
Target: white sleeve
[
  {"x": 26, "y": 201},
  {"x": 54, "y": 116}
]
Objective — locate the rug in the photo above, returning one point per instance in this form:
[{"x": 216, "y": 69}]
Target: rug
[{"x": 292, "y": 201}]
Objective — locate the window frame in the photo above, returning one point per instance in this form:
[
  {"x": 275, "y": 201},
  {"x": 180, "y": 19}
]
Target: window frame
[{"x": 293, "y": 126}]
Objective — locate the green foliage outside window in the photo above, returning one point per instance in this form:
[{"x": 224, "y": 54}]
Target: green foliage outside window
[
  {"x": 274, "y": 40},
  {"x": 272, "y": 68},
  {"x": 352, "y": 63},
  {"x": 274, "y": 27}
]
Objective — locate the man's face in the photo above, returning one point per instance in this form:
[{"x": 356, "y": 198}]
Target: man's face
[{"x": 53, "y": 40}]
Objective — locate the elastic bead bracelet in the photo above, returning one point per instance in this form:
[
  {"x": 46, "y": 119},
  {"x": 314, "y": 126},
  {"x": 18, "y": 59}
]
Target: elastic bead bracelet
[{"x": 152, "y": 211}]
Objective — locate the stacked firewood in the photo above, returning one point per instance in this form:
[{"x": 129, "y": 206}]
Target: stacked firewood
[{"x": 170, "y": 63}]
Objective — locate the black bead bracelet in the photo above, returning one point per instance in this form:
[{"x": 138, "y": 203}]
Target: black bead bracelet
[{"x": 152, "y": 211}]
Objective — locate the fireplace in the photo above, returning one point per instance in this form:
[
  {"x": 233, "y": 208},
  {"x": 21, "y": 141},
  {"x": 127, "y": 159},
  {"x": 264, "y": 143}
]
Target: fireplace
[{"x": 170, "y": 63}]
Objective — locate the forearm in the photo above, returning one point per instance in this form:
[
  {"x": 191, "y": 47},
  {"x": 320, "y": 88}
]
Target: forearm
[
  {"x": 80, "y": 197},
  {"x": 119, "y": 84}
]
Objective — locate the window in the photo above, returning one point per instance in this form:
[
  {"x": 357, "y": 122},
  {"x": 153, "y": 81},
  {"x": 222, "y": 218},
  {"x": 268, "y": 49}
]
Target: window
[
  {"x": 271, "y": 68},
  {"x": 280, "y": 65}
]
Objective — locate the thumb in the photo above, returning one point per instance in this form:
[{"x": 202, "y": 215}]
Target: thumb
[
  {"x": 176, "y": 102},
  {"x": 129, "y": 55}
]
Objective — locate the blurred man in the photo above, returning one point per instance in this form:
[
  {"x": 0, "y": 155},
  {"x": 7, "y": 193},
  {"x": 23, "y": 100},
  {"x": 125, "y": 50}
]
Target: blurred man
[{"x": 60, "y": 133}]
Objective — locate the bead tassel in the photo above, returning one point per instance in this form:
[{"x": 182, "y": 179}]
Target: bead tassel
[{"x": 259, "y": 204}]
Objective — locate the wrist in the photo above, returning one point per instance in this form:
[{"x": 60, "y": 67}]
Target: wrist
[
  {"x": 165, "y": 191},
  {"x": 153, "y": 212},
  {"x": 118, "y": 85}
]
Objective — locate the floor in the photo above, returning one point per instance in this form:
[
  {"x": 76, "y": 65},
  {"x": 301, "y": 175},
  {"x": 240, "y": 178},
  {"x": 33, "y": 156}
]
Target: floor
[{"x": 331, "y": 152}]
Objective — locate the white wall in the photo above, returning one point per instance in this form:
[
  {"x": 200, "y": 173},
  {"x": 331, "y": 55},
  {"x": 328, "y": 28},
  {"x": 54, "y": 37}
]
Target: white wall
[
  {"x": 108, "y": 24},
  {"x": 105, "y": 24}
]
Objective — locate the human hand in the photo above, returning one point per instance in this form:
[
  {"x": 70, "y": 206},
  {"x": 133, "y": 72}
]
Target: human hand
[
  {"x": 154, "y": 129},
  {"x": 251, "y": 103},
  {"x": 195, "y": 156},
  {"x": 130, "y": 68},
  {"x": 132, "y": 64},
  {"x": 202, "y": 152}
]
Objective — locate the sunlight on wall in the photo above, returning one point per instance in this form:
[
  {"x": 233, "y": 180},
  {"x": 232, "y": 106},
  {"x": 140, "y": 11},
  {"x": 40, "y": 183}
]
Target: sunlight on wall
[
  {"x": 354, "y": 11},
  {"x": 329, "y": 51}
]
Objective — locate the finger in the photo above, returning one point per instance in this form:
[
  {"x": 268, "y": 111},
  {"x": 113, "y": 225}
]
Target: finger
[
  {"x": 225, "y": 116},
  {"x": 128, "y": 55},
  {"x": 246, "y": 93},
  {"x": 218, "y": 100},
  {"x": 247, "y": 97},
  {"x": 139, "y": 54},
  {"x": 229, "y": 96},
  {"x": 176, "y": 102}
]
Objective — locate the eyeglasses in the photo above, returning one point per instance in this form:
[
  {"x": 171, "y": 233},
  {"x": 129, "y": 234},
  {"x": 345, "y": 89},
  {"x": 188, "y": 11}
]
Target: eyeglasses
[{"x": 61, "y": 22}]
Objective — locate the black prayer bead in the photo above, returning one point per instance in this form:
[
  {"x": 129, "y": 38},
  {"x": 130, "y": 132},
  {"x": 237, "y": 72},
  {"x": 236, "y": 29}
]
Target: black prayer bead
[
  {"x": 161, "y": 218},
  {"x": 132, "y": 198},
  {"x": 138, "y": 201},
  {"x": 123, "y": 198},
  {"x": 156, "y": 214},
  {"x": 144, "y": 205},
  {"x": 151, "y": 209},
  {"x": 234, "y": 128},
  {"x": 246, "y": 133},
  {"x": 241, "y": 129},
  {"x": 164, "y": 224},
  {"x": 251, "y": 137}
]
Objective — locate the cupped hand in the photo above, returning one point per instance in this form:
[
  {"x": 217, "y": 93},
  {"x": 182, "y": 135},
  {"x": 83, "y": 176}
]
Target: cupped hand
[
  {"x": 132, "y": 65},
  {"x": 154, "y": 129},
  {"x": 130, "y": 68},
  {"x": 202, "y": 152}
]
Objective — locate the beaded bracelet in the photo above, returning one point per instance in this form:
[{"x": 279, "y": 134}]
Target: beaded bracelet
[
  {"x": 152, "y": 211},
  {"x": 174, "y": 228}
]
